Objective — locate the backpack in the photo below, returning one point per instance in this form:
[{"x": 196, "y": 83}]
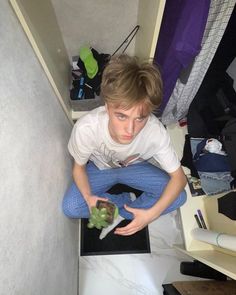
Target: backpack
[{"x": 228, "y": 136}]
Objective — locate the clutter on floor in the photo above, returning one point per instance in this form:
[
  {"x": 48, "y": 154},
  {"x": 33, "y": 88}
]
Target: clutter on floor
[{"x": 86, "y": 73}]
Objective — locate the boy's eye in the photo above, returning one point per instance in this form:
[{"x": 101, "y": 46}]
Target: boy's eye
[
  {"x": 121, "y": 117},
  {"x": 140, "y": 119}
]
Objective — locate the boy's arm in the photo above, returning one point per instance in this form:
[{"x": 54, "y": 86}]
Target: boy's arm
[
  {"x": 174, "y": 187},
  {"x": 143, "y": 217},
  {"x": 81, "y": 180}
]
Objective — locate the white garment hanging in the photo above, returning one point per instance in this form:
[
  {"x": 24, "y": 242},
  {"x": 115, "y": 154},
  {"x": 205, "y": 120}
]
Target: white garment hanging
[{"x": 183, "y": 94}]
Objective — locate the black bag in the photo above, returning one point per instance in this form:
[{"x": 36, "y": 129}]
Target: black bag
[{"x": 229, "y": 141}]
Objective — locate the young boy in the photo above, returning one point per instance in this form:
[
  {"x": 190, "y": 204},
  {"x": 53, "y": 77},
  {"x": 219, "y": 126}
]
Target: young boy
[{"x": 123, "y": 142}]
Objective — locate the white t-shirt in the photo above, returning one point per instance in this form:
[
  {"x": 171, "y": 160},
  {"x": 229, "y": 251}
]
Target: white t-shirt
[{"x": 90, "y": 140}]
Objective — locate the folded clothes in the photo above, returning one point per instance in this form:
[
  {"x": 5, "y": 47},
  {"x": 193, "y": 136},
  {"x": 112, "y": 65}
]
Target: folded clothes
[
  {"x": 214, "y": 173},
  {"x": 215, "y": 182},
  {"x": 206, "y": 161}
]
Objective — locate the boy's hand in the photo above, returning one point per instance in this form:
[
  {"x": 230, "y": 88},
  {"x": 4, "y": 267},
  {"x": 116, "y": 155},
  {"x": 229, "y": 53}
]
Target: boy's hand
[
  {"x": 92, "y": 201},
  {"x": 142, "y": 218}
]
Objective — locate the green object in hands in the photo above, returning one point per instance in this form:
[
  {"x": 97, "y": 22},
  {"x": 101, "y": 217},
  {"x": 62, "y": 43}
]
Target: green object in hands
[
  {"x": 98, "y": 218},
  {"x": 102, "y": 215}
]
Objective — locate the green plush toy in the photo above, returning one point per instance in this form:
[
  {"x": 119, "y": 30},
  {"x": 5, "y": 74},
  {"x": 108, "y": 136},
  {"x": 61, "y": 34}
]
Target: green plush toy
[{"x": 102, "y": 215}]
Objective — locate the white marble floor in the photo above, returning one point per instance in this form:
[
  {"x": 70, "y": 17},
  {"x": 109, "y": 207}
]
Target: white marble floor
[{"x": 136, "y": 274}]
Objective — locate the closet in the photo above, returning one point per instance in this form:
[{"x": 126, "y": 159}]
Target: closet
[
  {"x": 42, "y": 26},
  {"x": 212, "y": 106}
]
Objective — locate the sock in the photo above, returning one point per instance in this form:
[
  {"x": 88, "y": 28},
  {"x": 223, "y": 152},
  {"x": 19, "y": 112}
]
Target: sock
[{"x": 105, "y": 231}]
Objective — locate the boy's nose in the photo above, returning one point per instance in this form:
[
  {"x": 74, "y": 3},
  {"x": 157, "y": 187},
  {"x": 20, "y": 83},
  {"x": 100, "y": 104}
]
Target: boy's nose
[{"x": 130, "y": 128}]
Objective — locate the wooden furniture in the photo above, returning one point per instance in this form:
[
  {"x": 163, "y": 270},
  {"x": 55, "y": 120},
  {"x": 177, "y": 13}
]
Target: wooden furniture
[
  {"x": 200, "y": 287},
  {"x": 205, "y": 287}
]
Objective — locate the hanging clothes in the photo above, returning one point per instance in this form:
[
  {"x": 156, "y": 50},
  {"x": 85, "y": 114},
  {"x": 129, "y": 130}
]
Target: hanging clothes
[
  {"x": 206, "y": 111},
  {"x": 180, "y": 39},
  {"x": 183, "y": 93}
]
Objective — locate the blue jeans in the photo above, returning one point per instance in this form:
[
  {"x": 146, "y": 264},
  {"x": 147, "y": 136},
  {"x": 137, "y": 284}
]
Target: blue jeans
[
  {"x": 215, "y": 182},
  {"x": 142, "y": 176}
]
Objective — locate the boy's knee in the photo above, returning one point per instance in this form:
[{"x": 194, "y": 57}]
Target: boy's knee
[
  {"x": 68, "y": 209},
  {"x": 71, "y": 208}
]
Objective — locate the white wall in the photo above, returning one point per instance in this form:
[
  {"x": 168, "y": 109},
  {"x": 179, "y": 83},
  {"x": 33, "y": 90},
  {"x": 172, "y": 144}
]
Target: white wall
[
  {"x": 103, "y": 24},
  {"x": 38, "y": 245},
  {"x": 40, "y": 24}
]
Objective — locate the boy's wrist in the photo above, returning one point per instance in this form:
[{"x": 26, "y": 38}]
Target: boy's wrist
[
  {"x": 87, "y": 197},
  {"x": 154, "y": 212}
]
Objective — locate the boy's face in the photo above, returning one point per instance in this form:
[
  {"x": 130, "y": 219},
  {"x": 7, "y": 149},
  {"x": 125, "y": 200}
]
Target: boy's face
[{"x": 124, "y": 125}]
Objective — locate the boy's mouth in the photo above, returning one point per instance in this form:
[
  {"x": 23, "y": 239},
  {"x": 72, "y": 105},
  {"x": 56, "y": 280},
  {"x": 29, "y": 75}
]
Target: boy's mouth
[{"x": 128, "y": 137}]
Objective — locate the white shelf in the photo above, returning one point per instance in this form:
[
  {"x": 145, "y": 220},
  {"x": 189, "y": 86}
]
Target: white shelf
[
  {"x": 203, "y": 252},
  {"x": 222, "y": 262},
  {"x": 75, "y": 115}
]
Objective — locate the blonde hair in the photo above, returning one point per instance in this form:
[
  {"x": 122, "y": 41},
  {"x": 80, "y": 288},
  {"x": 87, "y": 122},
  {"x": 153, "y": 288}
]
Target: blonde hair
[{"x": 127, "y": 82}]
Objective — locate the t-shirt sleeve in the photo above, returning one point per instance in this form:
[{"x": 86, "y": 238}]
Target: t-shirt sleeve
[
  {"x": 166, "y": 155},
  {"x": 80, "y": 143}
]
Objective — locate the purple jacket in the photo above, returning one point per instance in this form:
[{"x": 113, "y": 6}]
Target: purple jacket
[{"x": 180, "y": 39}]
